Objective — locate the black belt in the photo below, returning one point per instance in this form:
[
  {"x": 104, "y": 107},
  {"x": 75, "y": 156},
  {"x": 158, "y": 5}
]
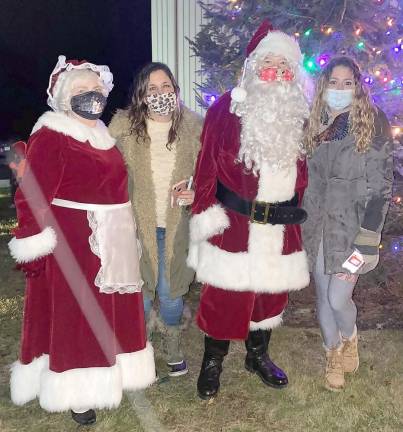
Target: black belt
[{"x": 281, "y": 213}]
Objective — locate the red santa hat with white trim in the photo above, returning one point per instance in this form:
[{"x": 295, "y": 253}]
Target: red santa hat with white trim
[
  {"x": 266, "y": 41},
  {"x": 57, "y": 76}
]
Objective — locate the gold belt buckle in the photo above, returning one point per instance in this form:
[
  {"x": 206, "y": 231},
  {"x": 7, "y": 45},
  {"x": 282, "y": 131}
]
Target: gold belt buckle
[{"x": 266, "y": 212}]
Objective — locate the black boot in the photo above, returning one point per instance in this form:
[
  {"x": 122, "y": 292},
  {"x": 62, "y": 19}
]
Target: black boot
[
  {"x": 211, "y": 368},
  {"x": 258, "y": 361},
  {"x": 85, "y": 418}
]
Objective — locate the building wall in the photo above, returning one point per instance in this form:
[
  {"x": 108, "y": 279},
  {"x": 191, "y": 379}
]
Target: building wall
[{"x": 172, "y": 21}]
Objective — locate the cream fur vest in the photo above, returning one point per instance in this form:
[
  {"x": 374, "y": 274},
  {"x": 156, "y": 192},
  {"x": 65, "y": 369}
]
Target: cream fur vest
[{"x": 141, "y": 189}]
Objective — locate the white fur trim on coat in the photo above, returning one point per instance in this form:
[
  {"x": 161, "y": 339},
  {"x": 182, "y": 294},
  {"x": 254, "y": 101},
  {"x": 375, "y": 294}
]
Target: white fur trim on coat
[
  {"x": 262, "y": 268},
  {"x": 97, "y": 136},
  {"x": 193, "y": 256},
  {"x": 276, "y": 186},
  {"x": 83, "y": 388},
  {"x": 243, "y": 271},
  {"x": 279, "y": 43},
  {"x": 30, "y": 248},
  {"x": 266, "y": 324},
  {"x": 212, "y": 221}
]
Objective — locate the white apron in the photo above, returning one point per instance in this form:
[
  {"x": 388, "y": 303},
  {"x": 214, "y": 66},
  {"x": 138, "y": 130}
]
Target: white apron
[{"x": 113, "y": 237}]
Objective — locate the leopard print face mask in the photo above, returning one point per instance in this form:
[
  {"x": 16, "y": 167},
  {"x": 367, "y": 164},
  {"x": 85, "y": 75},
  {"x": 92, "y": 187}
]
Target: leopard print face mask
[{"x": 162, "y": 104}]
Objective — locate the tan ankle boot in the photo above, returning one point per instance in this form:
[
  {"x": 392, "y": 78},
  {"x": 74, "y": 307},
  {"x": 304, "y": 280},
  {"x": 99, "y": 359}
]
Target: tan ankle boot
[
  {"x": 351, "y": 359},
  {"x": 334, "y": 369}
]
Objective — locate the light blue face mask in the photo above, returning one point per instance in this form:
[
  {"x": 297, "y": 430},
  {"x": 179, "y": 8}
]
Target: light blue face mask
[{"x": 338, "y": 99}]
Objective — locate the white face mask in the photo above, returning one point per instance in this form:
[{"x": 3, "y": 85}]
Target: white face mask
[{"x": 338, "y": 99}]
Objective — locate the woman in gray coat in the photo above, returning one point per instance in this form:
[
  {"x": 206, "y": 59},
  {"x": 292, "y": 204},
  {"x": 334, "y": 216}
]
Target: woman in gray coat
[{"x": 350, "y": 181}]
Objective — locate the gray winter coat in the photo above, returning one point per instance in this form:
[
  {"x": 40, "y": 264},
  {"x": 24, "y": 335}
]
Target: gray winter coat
[{"x": 346, "y": 190}]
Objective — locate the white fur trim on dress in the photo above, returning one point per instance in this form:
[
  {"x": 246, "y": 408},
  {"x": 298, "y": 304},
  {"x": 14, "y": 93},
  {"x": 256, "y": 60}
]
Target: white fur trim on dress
[
  {"x": 30, "y": 248},
  {"x": 97, "y": 136},
  {"x": 262, "y": 268},
  {"x": 212, "y": 221},
  {"x": 25, "y": 379},
  {"x": 130, "y": 365},
  {"x": 266, "y": 324},
  {"x": 279, "y": 43},
  {"x": 83, "y": 388}
]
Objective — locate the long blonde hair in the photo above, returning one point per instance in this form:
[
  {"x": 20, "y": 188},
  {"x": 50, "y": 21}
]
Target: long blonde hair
[{"x": 362, "y": 113}]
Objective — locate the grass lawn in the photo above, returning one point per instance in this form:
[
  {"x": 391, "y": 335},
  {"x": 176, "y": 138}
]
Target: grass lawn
[{"x": 372, "y": 400}]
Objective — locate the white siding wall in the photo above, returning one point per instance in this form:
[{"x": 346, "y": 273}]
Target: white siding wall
[{"x": 172, "y": 22}]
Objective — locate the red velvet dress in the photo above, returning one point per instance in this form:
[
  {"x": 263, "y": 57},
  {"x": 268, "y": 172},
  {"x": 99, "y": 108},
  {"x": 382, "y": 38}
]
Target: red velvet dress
[
  {"x": 80, "y": 348},
  {"x": 247, "y": 269}
]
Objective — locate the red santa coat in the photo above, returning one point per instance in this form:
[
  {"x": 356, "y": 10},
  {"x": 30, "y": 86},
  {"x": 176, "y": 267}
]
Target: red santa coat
[
  {"x": 80, "y": 348},
  {"x": 247, "y": 268}
]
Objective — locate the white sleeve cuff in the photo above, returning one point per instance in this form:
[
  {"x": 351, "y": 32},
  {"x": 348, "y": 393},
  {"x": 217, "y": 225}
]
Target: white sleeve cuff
[
  {"x": 212, "y": 221},
  {"x": 31, "y": 248}
]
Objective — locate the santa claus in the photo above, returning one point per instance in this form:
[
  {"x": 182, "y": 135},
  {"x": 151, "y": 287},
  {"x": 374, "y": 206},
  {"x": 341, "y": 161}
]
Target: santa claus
[
  {"x": 83, "y": 337},
  {"x": 245, "y": 228}
]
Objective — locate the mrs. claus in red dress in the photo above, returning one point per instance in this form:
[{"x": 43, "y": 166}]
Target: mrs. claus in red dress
[
  {"x": 245, "y": 233},
  {"x": 83, "y": 338}
]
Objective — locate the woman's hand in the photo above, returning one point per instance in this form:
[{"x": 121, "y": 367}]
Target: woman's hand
[{"x": 186, "y": 197}]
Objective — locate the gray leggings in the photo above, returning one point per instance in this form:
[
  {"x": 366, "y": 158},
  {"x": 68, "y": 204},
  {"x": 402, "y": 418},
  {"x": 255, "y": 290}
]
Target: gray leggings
[{"x": 335, "y": 308}]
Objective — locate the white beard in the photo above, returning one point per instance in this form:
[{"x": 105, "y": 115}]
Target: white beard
[{"x": 272, "y": 119}]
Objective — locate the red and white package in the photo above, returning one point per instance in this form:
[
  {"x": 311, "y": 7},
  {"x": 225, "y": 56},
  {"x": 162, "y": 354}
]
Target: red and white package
[{"x": 354, "y": 262}]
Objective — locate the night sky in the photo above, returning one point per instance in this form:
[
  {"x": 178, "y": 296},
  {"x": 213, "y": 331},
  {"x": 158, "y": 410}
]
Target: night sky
[{"x": 34, "y": 32}]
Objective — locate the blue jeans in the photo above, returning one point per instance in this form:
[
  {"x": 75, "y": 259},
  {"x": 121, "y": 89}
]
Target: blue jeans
[
  {"x": 335, "y": 307},
  {"x": 170, "y": 309}
]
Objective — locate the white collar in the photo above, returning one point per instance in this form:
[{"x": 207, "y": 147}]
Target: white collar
[{"x": 97, "y": 136}]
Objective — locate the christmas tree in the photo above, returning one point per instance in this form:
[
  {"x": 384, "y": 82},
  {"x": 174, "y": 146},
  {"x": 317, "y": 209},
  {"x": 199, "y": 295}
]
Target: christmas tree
[{"x": 370, "y": 31}]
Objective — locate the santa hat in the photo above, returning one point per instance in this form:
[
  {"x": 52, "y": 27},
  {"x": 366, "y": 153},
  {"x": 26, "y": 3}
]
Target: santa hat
[
  {"x": 56, "y": 77},
  {"x": 267, "y": 41}
]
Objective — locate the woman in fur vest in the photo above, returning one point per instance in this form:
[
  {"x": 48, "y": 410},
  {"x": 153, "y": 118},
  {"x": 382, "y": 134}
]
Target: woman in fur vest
[
  {"x": 159, "y": 138},
  {"x": 350, "y": 185}
]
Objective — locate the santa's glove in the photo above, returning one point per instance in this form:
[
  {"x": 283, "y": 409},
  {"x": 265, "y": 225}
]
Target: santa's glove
[
  {"x": 32, "y": 269},
  {"x": 367, "y": 243}
]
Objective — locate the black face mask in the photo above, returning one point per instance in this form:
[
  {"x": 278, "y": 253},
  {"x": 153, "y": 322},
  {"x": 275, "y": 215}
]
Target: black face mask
[{"x": 89, "y": 105}]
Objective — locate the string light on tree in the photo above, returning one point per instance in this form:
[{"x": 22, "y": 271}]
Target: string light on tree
[
  {"x": 397, "y": 244},
  {"x": 361, "y": 45},
  {"x": 396, "y": 131},
  {"x": 370, "y": 31}
]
